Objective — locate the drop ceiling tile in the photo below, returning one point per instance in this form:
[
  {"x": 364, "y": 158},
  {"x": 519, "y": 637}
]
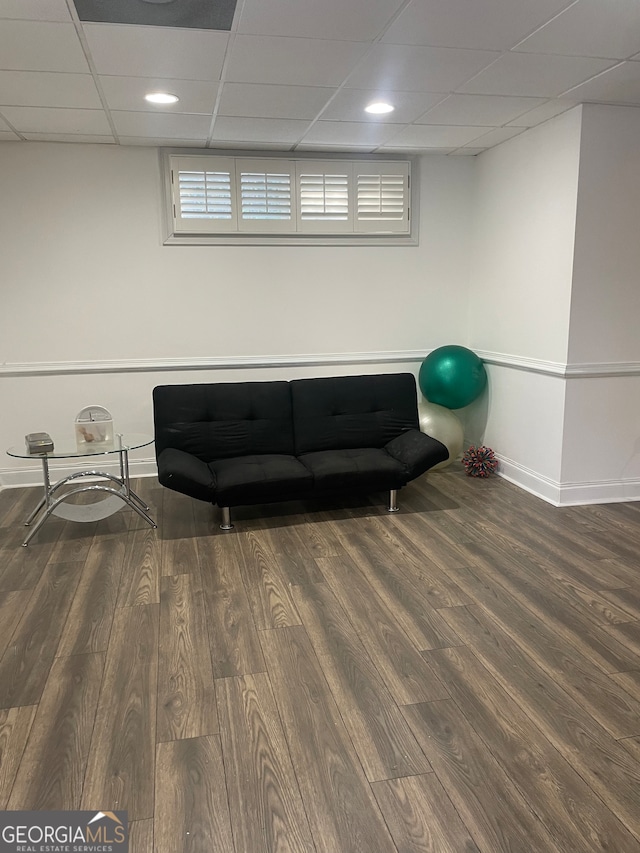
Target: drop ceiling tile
[
  {"x": 620, "y": 85},
  {"x": 249, "y": 130},
  {"x": 165, "y": 125},
  {"x": 336, "y": 149},
  {"x": 495, "y": 137},
  {"x": 543, "y": 113},
  {"x": 70, "y": 137},
  {"x": 42, "y": 89},
  {"x": 242, "y": 148},
  {"x": 127, "y": 93},
  {"x": 590, "y": 28},
  {"x": 294, "y": 61},
  {"x": 486, "y": 110},
  {"x": 41, "y": 46},
  {"x": 480, "y": 24},
  {"x": 534, "y": 75},
  {"x": 133, "y": 51},
  {"x": 160, "y": 142},
  {"x": 49, "y": 120},
  {"x": 418, "y": 69},
  {"x": 267, "y": 101},
  {"x": 349, "y": 104},
  {"x": 8, "y": 136},
  {"x": 434, "y": 136},
  {"x": 350, "y": 133},
  {"x": 413, "y": 150},
  {"x": 356, "y": 20},
  {"x": 35, "y": 10}
]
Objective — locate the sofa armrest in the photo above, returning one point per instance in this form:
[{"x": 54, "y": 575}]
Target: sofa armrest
[
  {"x": 185, "y": 473},
  {"x": 417, "y": 451}
]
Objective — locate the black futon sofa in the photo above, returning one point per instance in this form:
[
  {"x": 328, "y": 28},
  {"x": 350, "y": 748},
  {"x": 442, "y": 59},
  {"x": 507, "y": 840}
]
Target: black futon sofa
[{"x": 234, "y": 444}]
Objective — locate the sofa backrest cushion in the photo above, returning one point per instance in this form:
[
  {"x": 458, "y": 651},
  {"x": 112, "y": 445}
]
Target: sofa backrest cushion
[
  {"x": 352, "y": 411},
  {"x": 223, "y": 420}
]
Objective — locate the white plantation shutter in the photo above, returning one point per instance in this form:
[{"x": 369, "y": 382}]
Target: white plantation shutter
[
  {"x": 382, "y": 197},
  {"x": 203, "y": 194},
  {"x": 324, "y": 196},
  {"x": 266, "y": 201},
  {"x": 245, "y": 196}
]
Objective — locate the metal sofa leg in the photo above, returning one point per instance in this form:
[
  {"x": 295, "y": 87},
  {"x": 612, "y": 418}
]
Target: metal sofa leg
[
  {"x": 226, "y": 519},
  {"x": 393, "y": 501}
]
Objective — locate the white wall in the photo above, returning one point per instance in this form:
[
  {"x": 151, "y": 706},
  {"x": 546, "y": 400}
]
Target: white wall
[
  {"x": 601, "y": 454},
  {"x": 86, "y": 279},
  {"x": 605, "y": 304},
  {"x": 520, "y": 294},
  {"x": 525, "y": 426},
  {"x": 555, "y": 301},
  {"x": 601, "y": 451},
  {"x": 524, "y": 223},
  {"x": 528, "y": 254}
]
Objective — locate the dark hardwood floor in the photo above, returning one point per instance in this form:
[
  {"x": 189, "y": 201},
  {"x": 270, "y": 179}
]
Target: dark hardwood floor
[{"x": 461, "y": 677}]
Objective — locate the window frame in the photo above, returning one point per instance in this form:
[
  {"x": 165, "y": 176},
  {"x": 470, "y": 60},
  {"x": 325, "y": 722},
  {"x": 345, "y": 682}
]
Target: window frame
[{"x": 276, "y": 231}]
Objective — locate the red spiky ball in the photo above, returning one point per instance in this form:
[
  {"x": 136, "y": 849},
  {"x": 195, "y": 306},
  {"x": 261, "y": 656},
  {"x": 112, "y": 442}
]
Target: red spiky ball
[{"x": 479, "y": 461}]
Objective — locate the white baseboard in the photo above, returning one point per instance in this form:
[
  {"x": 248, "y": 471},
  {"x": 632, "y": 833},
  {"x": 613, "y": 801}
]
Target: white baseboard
[
  {"x": 558, "y": 494},
  {"x": 14, "y": 478},
  {"x": 530, "y": 481},
  {"x": 605, "y": 492},
  {"x": 568, "y": 494}
]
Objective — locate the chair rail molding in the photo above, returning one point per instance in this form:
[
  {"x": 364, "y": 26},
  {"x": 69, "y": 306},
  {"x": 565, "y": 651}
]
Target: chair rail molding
[
  {"x": 577, "y": 370},
  {"x": 589, "y": 370},
  {"x": 155, "y": 365}
]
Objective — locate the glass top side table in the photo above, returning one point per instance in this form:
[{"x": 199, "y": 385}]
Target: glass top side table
[{"x": 117, "y": 489}]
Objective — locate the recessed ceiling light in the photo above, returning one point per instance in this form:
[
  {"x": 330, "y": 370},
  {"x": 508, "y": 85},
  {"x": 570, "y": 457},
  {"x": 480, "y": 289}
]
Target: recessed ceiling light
[
  {"x": 378, "y": 108},
  {"x": 161, "y": 98}
]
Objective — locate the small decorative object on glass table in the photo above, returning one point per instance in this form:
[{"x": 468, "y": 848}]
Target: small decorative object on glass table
[
  {"x": 38, "y": 442},
  {"x": 117, "y": 489},
  {"x": 94, "y": 425}
]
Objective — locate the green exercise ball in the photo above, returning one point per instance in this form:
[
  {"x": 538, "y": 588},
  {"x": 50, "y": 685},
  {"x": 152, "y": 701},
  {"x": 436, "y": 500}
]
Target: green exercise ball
[{"x": 452, "y": 377}]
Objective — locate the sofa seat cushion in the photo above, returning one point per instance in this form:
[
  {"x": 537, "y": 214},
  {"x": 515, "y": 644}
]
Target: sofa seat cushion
[
  {"x": 363, "y": 468},
  {"x": 259, "y": 479}
]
